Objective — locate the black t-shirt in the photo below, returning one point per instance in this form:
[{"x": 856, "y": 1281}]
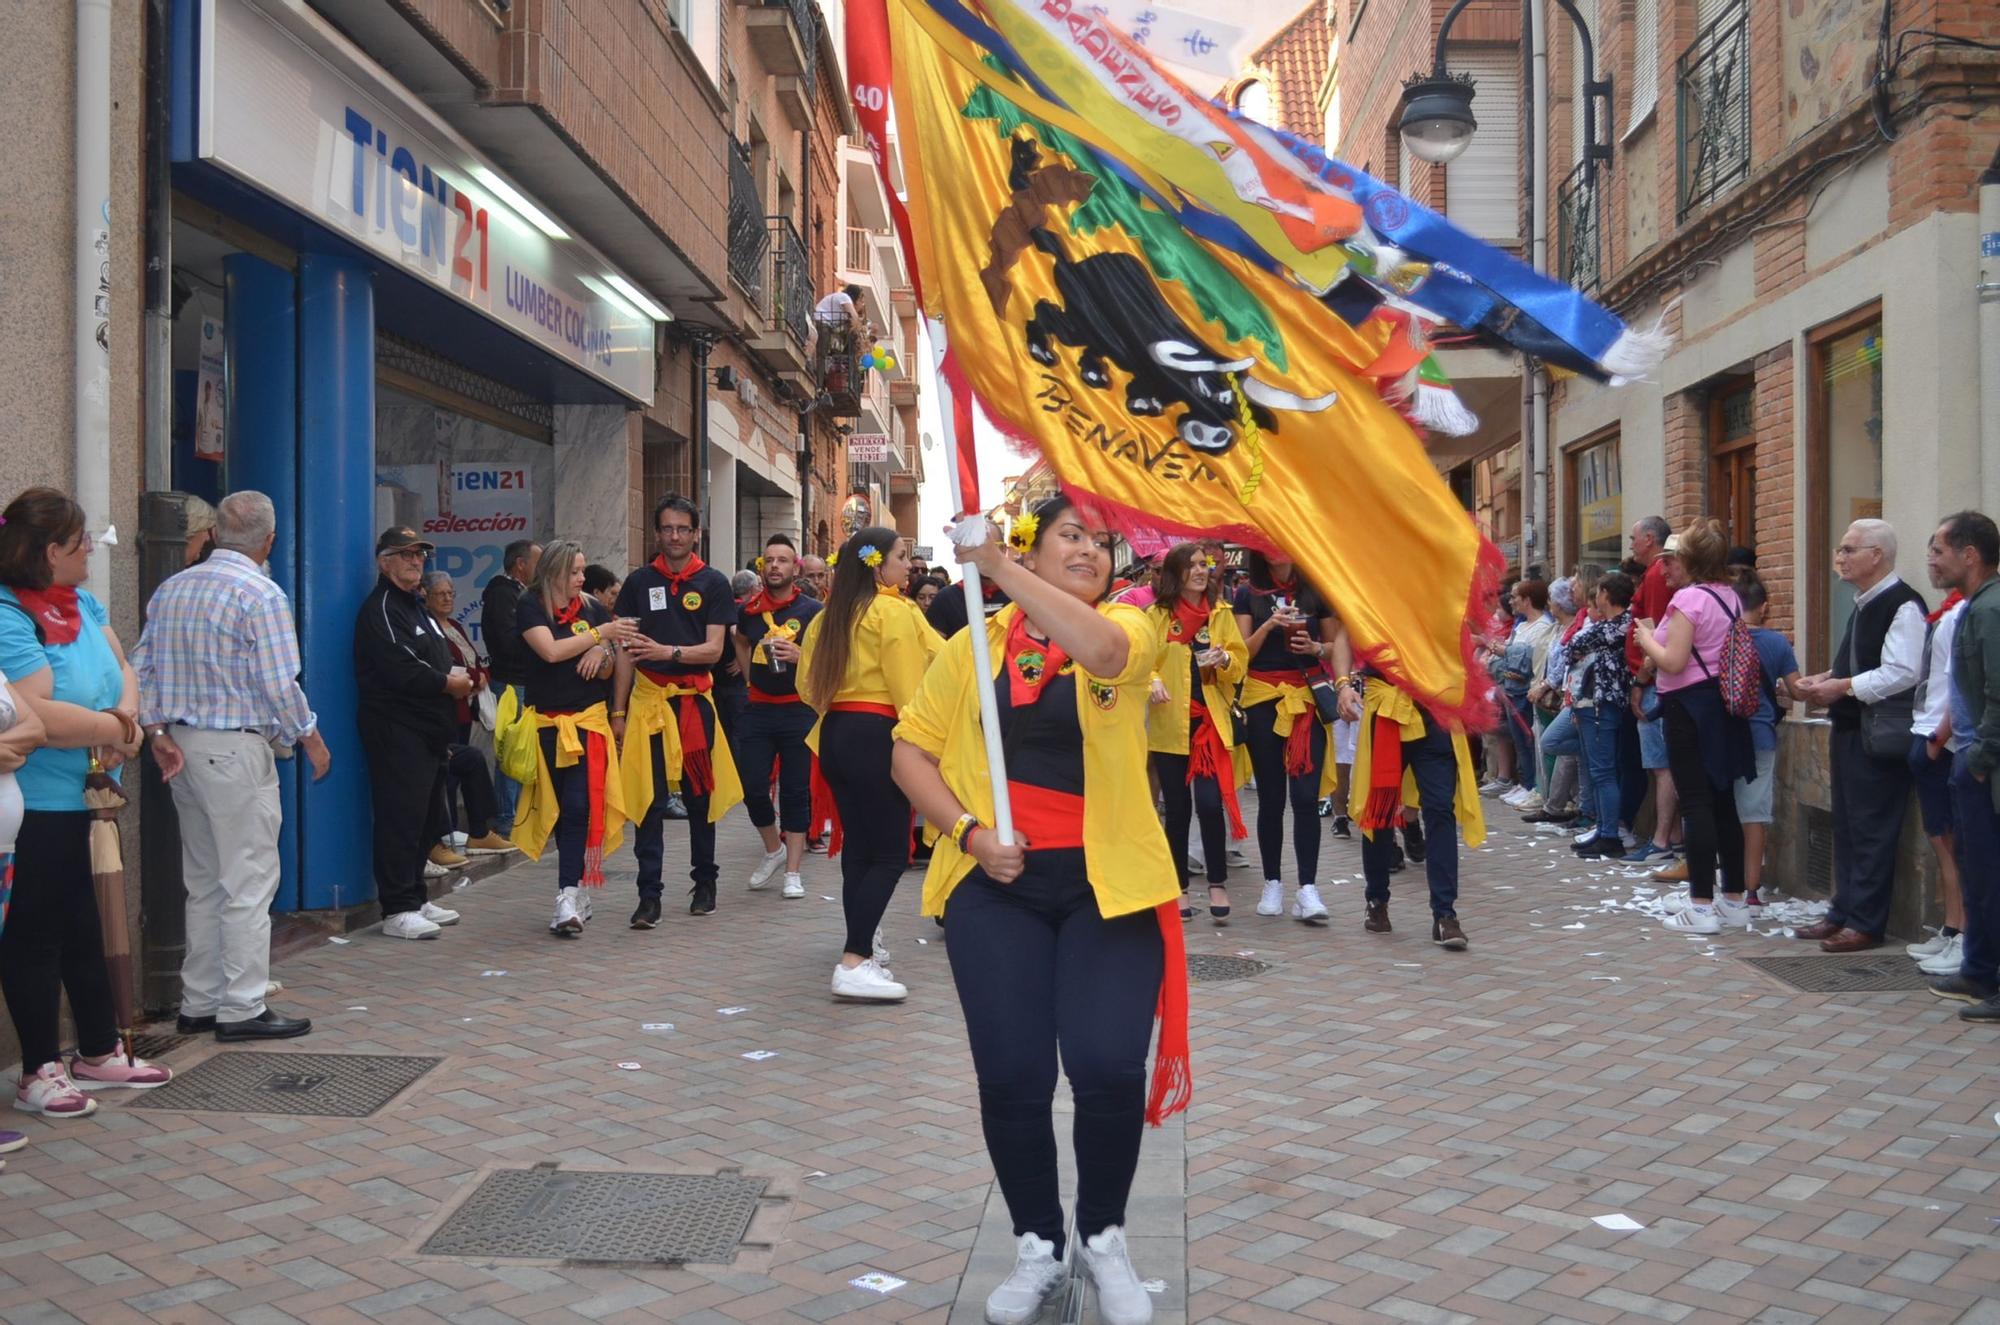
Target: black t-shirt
[
  {"x": 554, "y": 687},
  {"x": 1274, "y": 654},
  {"x": 947, "y": 613},
  {"x": 752, "y": 628},
  {"x": 677, "y": 611},
  {"x": 1043, "y": 741}
]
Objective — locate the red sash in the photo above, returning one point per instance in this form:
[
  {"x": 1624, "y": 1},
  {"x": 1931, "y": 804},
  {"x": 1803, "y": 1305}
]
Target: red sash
[
  {"x": 1384, "y": 806},
  {"x": 1298, "y": 745},
  {"x": 1050, "y": 820}
]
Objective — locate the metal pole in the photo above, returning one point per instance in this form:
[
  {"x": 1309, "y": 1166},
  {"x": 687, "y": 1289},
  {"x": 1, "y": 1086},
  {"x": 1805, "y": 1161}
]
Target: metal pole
[
  {"x": 1538, "y": 229},
  {"x": 1989, "y": 337},
  {"x": 159, "y": 404},
  {"x": 93, "y": 280}
]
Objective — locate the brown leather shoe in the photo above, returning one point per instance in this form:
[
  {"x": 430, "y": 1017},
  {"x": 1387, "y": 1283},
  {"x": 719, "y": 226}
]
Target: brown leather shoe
[
  {"x": 1849, "y": 940},
  {"x": 1378, "y": 918},
  {"x": 1819, "y": 929},
  {"x": 1446, "y": 934}
]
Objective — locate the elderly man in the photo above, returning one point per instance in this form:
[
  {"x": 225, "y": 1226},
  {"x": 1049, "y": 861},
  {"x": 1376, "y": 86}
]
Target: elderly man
[
  {"x": 409, "y": 708},
  {"x": 1869, "y": 694},
  {"x": 218, "y": 670}
]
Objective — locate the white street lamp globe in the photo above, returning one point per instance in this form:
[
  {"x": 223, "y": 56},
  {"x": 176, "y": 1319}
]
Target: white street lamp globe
[{"x": 1437, "y": 123}]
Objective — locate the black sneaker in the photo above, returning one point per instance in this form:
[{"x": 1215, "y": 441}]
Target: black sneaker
[
  {"x": 1325, "y": 807},
  {"x": 1987, "y": 1010},
  {"x": 675, "y": 808},
  {"x": 701, "y": 899},
  {"x": 1961, "y": 990},
  {"x": 648, "y": 913},
  {"x": 1341, "y": 827},
  {"x": 1413, "y": 842}
]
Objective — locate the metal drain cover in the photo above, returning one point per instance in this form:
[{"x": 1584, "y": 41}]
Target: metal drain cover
[
  {"x": 319, "y": 1085},
  {"x": 1209, "y": 968},
  {"x": 615, "y": 1218},
  {"x": 157, "y": 1044},
  {"x": 1861, "y": 973}
]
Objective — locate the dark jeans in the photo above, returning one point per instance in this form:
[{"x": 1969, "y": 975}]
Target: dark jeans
[
  {"x": 1603, "y": 729},
  {"x": 1434, "y": 764},
  {"x": 572, "y": 830},
  {"x": 1039, "y": 970},
  {"x": 1711, "y": 833},
  {"x": 1634, "y": 782},
  {"x": 1932, "y": 779},
  {"x": 770, "y": 734},
  {"x": 1185, "y": 802},
  {"x": 53, "y": 943},
  {"x": 649, "y": 846},
  {"x": 1978, "y": 871},
  {"x": 1870, "y": 797},
  {"x": 406, "y": 788},
  {"x": 468, "y": 779},
  {"x": 1519, "y": 716},
  {"x": 854, "y": 753},
  {"x": 1275, "y": 787}
]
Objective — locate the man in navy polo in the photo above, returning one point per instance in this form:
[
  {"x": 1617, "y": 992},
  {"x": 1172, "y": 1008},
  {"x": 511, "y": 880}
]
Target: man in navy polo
[{"x": 774, "y": 725}]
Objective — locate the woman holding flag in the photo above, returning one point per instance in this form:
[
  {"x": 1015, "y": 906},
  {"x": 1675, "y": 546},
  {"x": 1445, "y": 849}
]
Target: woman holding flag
[
  {"x": 1202, "y": 658},
  {"x": 1067, "y": 939},
  {"x": 861, "y": 662},
  {"x": 1290, "y": 635},
  {"x": 575, "y": 794}
]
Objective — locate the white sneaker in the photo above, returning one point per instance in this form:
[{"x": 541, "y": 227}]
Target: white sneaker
[
  {"x": 273, "y": 988},
  {"x": 795, "y": 887},
  {"x": 881, "y": 953},
  {"x": 760, "y": 877},
  {"x": 1629, "y": 840},
  {"x": 583, "y": 896},
  {"x": 867, "y": 983},
  {"x": 1530, "y": 803},
  {"x": 1020, "y": 1296},
  {"x": 1306, "y": 905},
  {"x": 1121, "y": 1298},
  {"x": 1514, "y": 796},
  {"x": 409, "y": 925},
  {"x": 1948, "y": 959},
  {"x": 568, "y": 919},
  {"x": 1930, "y": 947},
  {"x": 433, "y": 870},
  {"x": 1697, "y": 919},
  {"x": 1272, "y": 903},
  {"x": 439, "y": 915},
  {"x": 1733, "y": 915},
  {"x": 1494, "y": 786},
  {"x": 1238, "y": 860}
]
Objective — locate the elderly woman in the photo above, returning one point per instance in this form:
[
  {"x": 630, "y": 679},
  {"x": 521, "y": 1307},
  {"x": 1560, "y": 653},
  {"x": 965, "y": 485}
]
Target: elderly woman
[
  {"x": 200, "y": 533},
  {"x": 466, "y": 775}
]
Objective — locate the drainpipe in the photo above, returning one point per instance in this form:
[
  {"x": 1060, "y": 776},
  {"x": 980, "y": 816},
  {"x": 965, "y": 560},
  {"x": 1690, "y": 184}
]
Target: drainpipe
[
  {"x": 700, "y": 339},
  {"x": 93, "y": 279},
  {"x": 1989, "y": 337},
  {"x": 1536, "y": 536},
  {"x": 159, "y": 258}
]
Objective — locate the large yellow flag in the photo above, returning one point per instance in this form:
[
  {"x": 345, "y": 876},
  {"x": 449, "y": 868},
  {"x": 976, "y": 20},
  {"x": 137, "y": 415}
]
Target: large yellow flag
[{"x": 1169, "y": 379}]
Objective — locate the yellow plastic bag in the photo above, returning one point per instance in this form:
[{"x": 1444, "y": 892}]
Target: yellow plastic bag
[{"x": 514, "y": 738}]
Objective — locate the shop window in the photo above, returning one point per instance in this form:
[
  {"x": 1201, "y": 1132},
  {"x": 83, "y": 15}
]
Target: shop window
[
  {"x": 1732, "y": 460},
  {"x": 1496, "y": 495},
  {"x": 1596, "y": 505},
  {"x": 1843, "y": 461}
]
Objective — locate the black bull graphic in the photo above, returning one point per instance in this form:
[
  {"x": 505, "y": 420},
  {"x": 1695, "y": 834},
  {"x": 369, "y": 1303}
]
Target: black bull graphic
[{"x": 1112, "y": 312}]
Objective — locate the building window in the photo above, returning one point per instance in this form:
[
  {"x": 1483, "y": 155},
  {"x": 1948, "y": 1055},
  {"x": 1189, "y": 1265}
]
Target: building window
[
  {"x": 1253, "y": 101},
  {"x": 1732, "y": 459},
  {"x": 1713, "y": 84},
  {"x": 669, "y": 466},
  {"x": 1843, "y": 461},
  {"x": 1645, "y": 61},
  {"x": 1588, "y": 10},
  {"x": 1496, "y": 501},
  {"x": 1482, "y": 189},
  {"x": 1596, "y": 505}
]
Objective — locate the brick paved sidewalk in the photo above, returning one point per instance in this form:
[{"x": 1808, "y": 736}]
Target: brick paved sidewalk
[{"x": 1382, "y": 1131}]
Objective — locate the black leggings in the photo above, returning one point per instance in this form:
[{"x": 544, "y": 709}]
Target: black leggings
[
  {"x": 1267, "y": 761},
  {"x": 1713, "y": 834},
  {"x": 53, "y": 942},
  {"x": 1037, "y": 970},
  {"x": 854, "y": 753},
  {"x": 1187, "y": 801}
]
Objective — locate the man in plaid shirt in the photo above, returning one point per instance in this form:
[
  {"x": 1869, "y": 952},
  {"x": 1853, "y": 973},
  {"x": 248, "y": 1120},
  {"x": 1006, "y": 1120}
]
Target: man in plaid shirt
[{"x": 218, "y": 669}]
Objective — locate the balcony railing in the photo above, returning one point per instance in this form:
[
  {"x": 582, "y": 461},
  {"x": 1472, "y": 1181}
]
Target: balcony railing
[
  {"x": 1580, "y": 229},
  {"x": 791, "y": 279},
  {"x": 1713, "y": 129},
  {"x": 749, "y": 239},
  {"x": 805, "y": 17},
  {"x": 860, "y": 249}
]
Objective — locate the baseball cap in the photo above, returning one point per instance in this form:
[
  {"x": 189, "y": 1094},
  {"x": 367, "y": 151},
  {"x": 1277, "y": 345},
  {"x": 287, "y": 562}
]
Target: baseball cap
[{"x": 397, "y": 538}]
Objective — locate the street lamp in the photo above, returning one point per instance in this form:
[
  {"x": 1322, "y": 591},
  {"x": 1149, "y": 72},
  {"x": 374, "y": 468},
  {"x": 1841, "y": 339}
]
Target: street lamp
[{"x": 1437, "y": 123}]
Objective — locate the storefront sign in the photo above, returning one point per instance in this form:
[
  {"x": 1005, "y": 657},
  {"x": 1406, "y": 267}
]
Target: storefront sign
[
  {"x": 472, "y": 512},
  {"x": 868, "y": 448},
  {"x": 209, "y": 409},
  {"x": 285, "y": 108}
]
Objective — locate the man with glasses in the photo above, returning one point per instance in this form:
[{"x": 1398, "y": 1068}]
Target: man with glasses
[
  {"x": 1869, "y": 694},
  {"x": 663, "y": 712}
]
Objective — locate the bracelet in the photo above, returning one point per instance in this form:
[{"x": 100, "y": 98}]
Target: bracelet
[
  {"x": 619, "y": 714},
  {"x": 961, "y": 832},
  {"x": 593, "y": 632}
]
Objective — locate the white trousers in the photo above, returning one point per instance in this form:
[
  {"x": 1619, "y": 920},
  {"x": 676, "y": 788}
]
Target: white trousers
[{"x": 227, "y": 799}]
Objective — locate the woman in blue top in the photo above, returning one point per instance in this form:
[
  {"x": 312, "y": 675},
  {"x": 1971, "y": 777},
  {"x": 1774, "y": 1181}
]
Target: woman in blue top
[{"x": 58, "y": 651}]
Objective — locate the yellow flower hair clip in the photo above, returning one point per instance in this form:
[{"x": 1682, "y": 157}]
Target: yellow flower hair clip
[
  {"x": 1022, "y": 536},
  {"x": 833, "y": 559},
  {"x": 758, "y": 565},
  {"x": 870, "y": 557}
]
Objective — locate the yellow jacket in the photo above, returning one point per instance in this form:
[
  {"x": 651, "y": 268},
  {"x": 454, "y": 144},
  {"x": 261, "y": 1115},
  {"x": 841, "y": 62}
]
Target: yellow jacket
[
  {"x": 650, "y": 712},
  {"x": 535, "y": 816},
  {"x": 891, "y": 647},
  {"x": 1167, "y": 725},
  {"x": 1383, "y": 700},
  {"x": 1125, "y": 851}
]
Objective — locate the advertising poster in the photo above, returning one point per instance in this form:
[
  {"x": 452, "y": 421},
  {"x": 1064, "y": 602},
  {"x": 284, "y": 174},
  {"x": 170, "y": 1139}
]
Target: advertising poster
[
  {"x": 208, "y": 404},
  {"x": 472, "y": 512}
]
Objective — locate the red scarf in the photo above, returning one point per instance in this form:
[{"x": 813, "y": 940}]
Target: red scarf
[
  {"x": 1173, "y": 1071},
  {"x": 761, "y": 601},
  {"x": 1031, "y": 664},
  {"x": 596, "y": 759},
  {"x": 695, "y": 565},
  {"x": 1384, "y": 805},
  {"x": 1951, "y": 600},
  {"x": 55, "y": 610},
  {"x": 1208, "y": 757},
  {"x": 1188, "y": 621}
]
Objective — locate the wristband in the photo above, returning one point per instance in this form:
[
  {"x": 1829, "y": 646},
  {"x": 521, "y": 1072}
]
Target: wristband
[
  {"x": 961, "y": 832},
  {"x": 619, "y": 714},
  {"x": 593, "y": 632}
]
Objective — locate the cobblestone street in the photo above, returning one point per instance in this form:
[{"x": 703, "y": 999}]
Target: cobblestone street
[{"x": 1380, "y": 1131}]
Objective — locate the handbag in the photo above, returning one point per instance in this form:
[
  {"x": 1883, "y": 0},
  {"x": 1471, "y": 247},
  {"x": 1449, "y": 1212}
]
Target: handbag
[
  {"x": 1239, "y": 725},
  {"x": 1885, "y": 726},
  {"x": 1326, "y": 698}
]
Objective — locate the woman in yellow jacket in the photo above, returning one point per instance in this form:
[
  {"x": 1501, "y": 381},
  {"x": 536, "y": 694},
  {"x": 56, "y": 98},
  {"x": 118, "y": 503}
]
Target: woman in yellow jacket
[
  {"x": 861, "y": 662},
  {"x": 575, "y": 795},
  {"x": 1070, "y": 938},
  {"x": 1202, "y": 658}
]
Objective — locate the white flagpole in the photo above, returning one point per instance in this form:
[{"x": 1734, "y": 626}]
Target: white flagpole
[{"x": 975, "y": 602}]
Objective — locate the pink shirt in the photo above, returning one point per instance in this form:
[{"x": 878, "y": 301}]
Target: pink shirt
[{"x": 1711, "y": 621}]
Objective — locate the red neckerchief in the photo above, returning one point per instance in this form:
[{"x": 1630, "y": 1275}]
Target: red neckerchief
[
  {"x": 55, "y": 610},
  {"x": 761, "y": 601},
  {"x": 568, "y": 614},
  {"x": 1951, "y": 600},
  {"x": 1030, "y": 664},
  {"x": 695, "y": 565},
  {"x": 1188, "y": 621}
]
